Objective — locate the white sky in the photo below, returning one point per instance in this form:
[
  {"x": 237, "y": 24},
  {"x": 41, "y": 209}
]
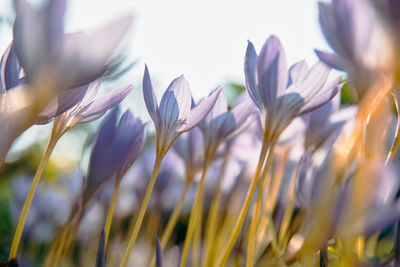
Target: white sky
[{"x": 204, "y": 40}]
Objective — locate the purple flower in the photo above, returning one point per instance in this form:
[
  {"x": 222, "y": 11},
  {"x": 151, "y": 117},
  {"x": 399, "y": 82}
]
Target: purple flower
[
  {"x": 174, "y": 115},
  {"x": 86, "y": 108},
  {"x": 352, "y": 31},
  {"x": 190, "y": 148},
  {"x": 325, "y": 122},
  {"x": 117, "y": 147},
  {"x": 220, "y": 124},
  {"x": 282, "y": 95},
  {"x": 67, "y": 60}
]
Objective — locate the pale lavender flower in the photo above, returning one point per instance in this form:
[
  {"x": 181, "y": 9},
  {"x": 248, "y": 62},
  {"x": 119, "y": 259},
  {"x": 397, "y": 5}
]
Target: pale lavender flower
[
  {"x": 220, "y": 124},
  {"x": 174, "y": 115},
  {"x": 326, "y": 122},
  {"x": 87, "y": 109},
  {"x": 116, "y": 148},
  {"x": 351, "y": 29},
  {"x": 68, "y": 60},
  {"x": 190, "y": 148},
  {"x": 282, "y": 95}
]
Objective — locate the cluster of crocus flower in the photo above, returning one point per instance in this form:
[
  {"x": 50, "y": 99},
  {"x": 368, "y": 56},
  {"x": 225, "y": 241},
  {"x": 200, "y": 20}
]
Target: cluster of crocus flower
[{"x": 321, "y": 190}]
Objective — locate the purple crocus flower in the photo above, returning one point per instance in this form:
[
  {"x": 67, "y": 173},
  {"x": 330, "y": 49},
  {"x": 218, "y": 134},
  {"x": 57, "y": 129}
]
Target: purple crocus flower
[
  {"x": 282, "y": 95},
  {"x": 117, "y": 147},
  {"x": 220, "y": 124},
  {"x": 87, "y": 109},
  {"x": 190, "y": 148},
  {"x": 352, "y": 31},
  {"x": 325, "y": 121},
  {"x": 174, "y": 115},
  {"x": 67, "y": 60}
]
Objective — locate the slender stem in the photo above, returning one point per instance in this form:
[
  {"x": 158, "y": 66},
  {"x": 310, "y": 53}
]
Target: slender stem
[
  {"x": 21, "y": 222},
  {"x": 111, "y": 209},
  {"x": 257, "y": 211},
  {"x": 194, "y": 215},
  {"x": 221, "y": 261},
  {"x": 142, "y": 211},
  {"x": 197, "y": 237},
  {"x": 173, "y": 219},
  {"x": 211, "y": 228}
]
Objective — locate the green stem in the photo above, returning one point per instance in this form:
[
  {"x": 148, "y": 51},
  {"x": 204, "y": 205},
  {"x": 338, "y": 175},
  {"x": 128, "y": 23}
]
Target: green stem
[
  {"x": 28, "y": 201},
  {"x": 111, "y": 209},
  {"x": 221, "y": 261},
  {"x": 142, "y": 211},
  {"x": 194, "y": 215}
]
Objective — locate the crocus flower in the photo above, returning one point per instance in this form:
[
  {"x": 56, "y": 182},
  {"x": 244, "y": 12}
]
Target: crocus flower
[
  {"x": 359, "y": 44},
  {"x": 220, "y": 124},
  {"x": 68, "y": 60},
  {"x": 88, "y": 108},
  {"x": 116, "y": 147},
  {"x": 326, "y": 120},
  {"x": 282, "y": 95},
  {"x": 174, "y": 115},
  {"x": 190, "y": 148}
]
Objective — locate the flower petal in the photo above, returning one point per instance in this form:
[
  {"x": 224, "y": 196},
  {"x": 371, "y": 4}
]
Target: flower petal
[
  {"x": 198, "y": 113},
  {"x": 104, "y": 103},
  {"x": 331, "y": 59},
  {"x": 297, "y": 72},
  {"x": 272, "y": 72},
  {"x": 9, "y": 69},
  {"x": 326, "y": 93},
  {"x": 175, "y": 103},
  {"x": 150, "y": 98},
  {"x": 250, "y": 72},
  {"x": 64, "y": 101},
  {"x": 313, "y": 81}
]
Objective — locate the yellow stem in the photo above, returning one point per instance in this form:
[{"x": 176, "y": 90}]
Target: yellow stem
[
  {"x": 142, "y": 211},
  {"x": 111, "y": 209},
  {"x": 28, "y": 201},
  {"x": 197, "y": 237},
  {"x": 221, "y": 261},
  {"x": 257, "y": 211},
  {"x": 173, "y": 219},
  {"x": 194, "y": 216},
  {"x": 211, "y": 228}
]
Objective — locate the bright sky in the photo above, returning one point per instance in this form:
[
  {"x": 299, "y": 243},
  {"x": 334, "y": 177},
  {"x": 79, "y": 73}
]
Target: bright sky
[{"x": 204, "y": 40}]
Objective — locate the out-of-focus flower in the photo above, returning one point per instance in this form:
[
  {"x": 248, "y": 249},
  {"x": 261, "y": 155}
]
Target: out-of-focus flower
[
  {"x": 282, "y": 95},
  {"x": 190, "y": 148},
  {"x": 325, "y": 121},
  {"x": 389, "y": 11},
  {"x": 159, "y": 260},
  {"x": 101, "y": 253},
  {"x": 116, "y": 148},
  {"x": 67, "y": 60},
  {"x": 357, "y": 39},
  {"x": 174, "y": 115},
  {"x": 86, "y": 109},
  {"x": 221, "y": 124}
]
